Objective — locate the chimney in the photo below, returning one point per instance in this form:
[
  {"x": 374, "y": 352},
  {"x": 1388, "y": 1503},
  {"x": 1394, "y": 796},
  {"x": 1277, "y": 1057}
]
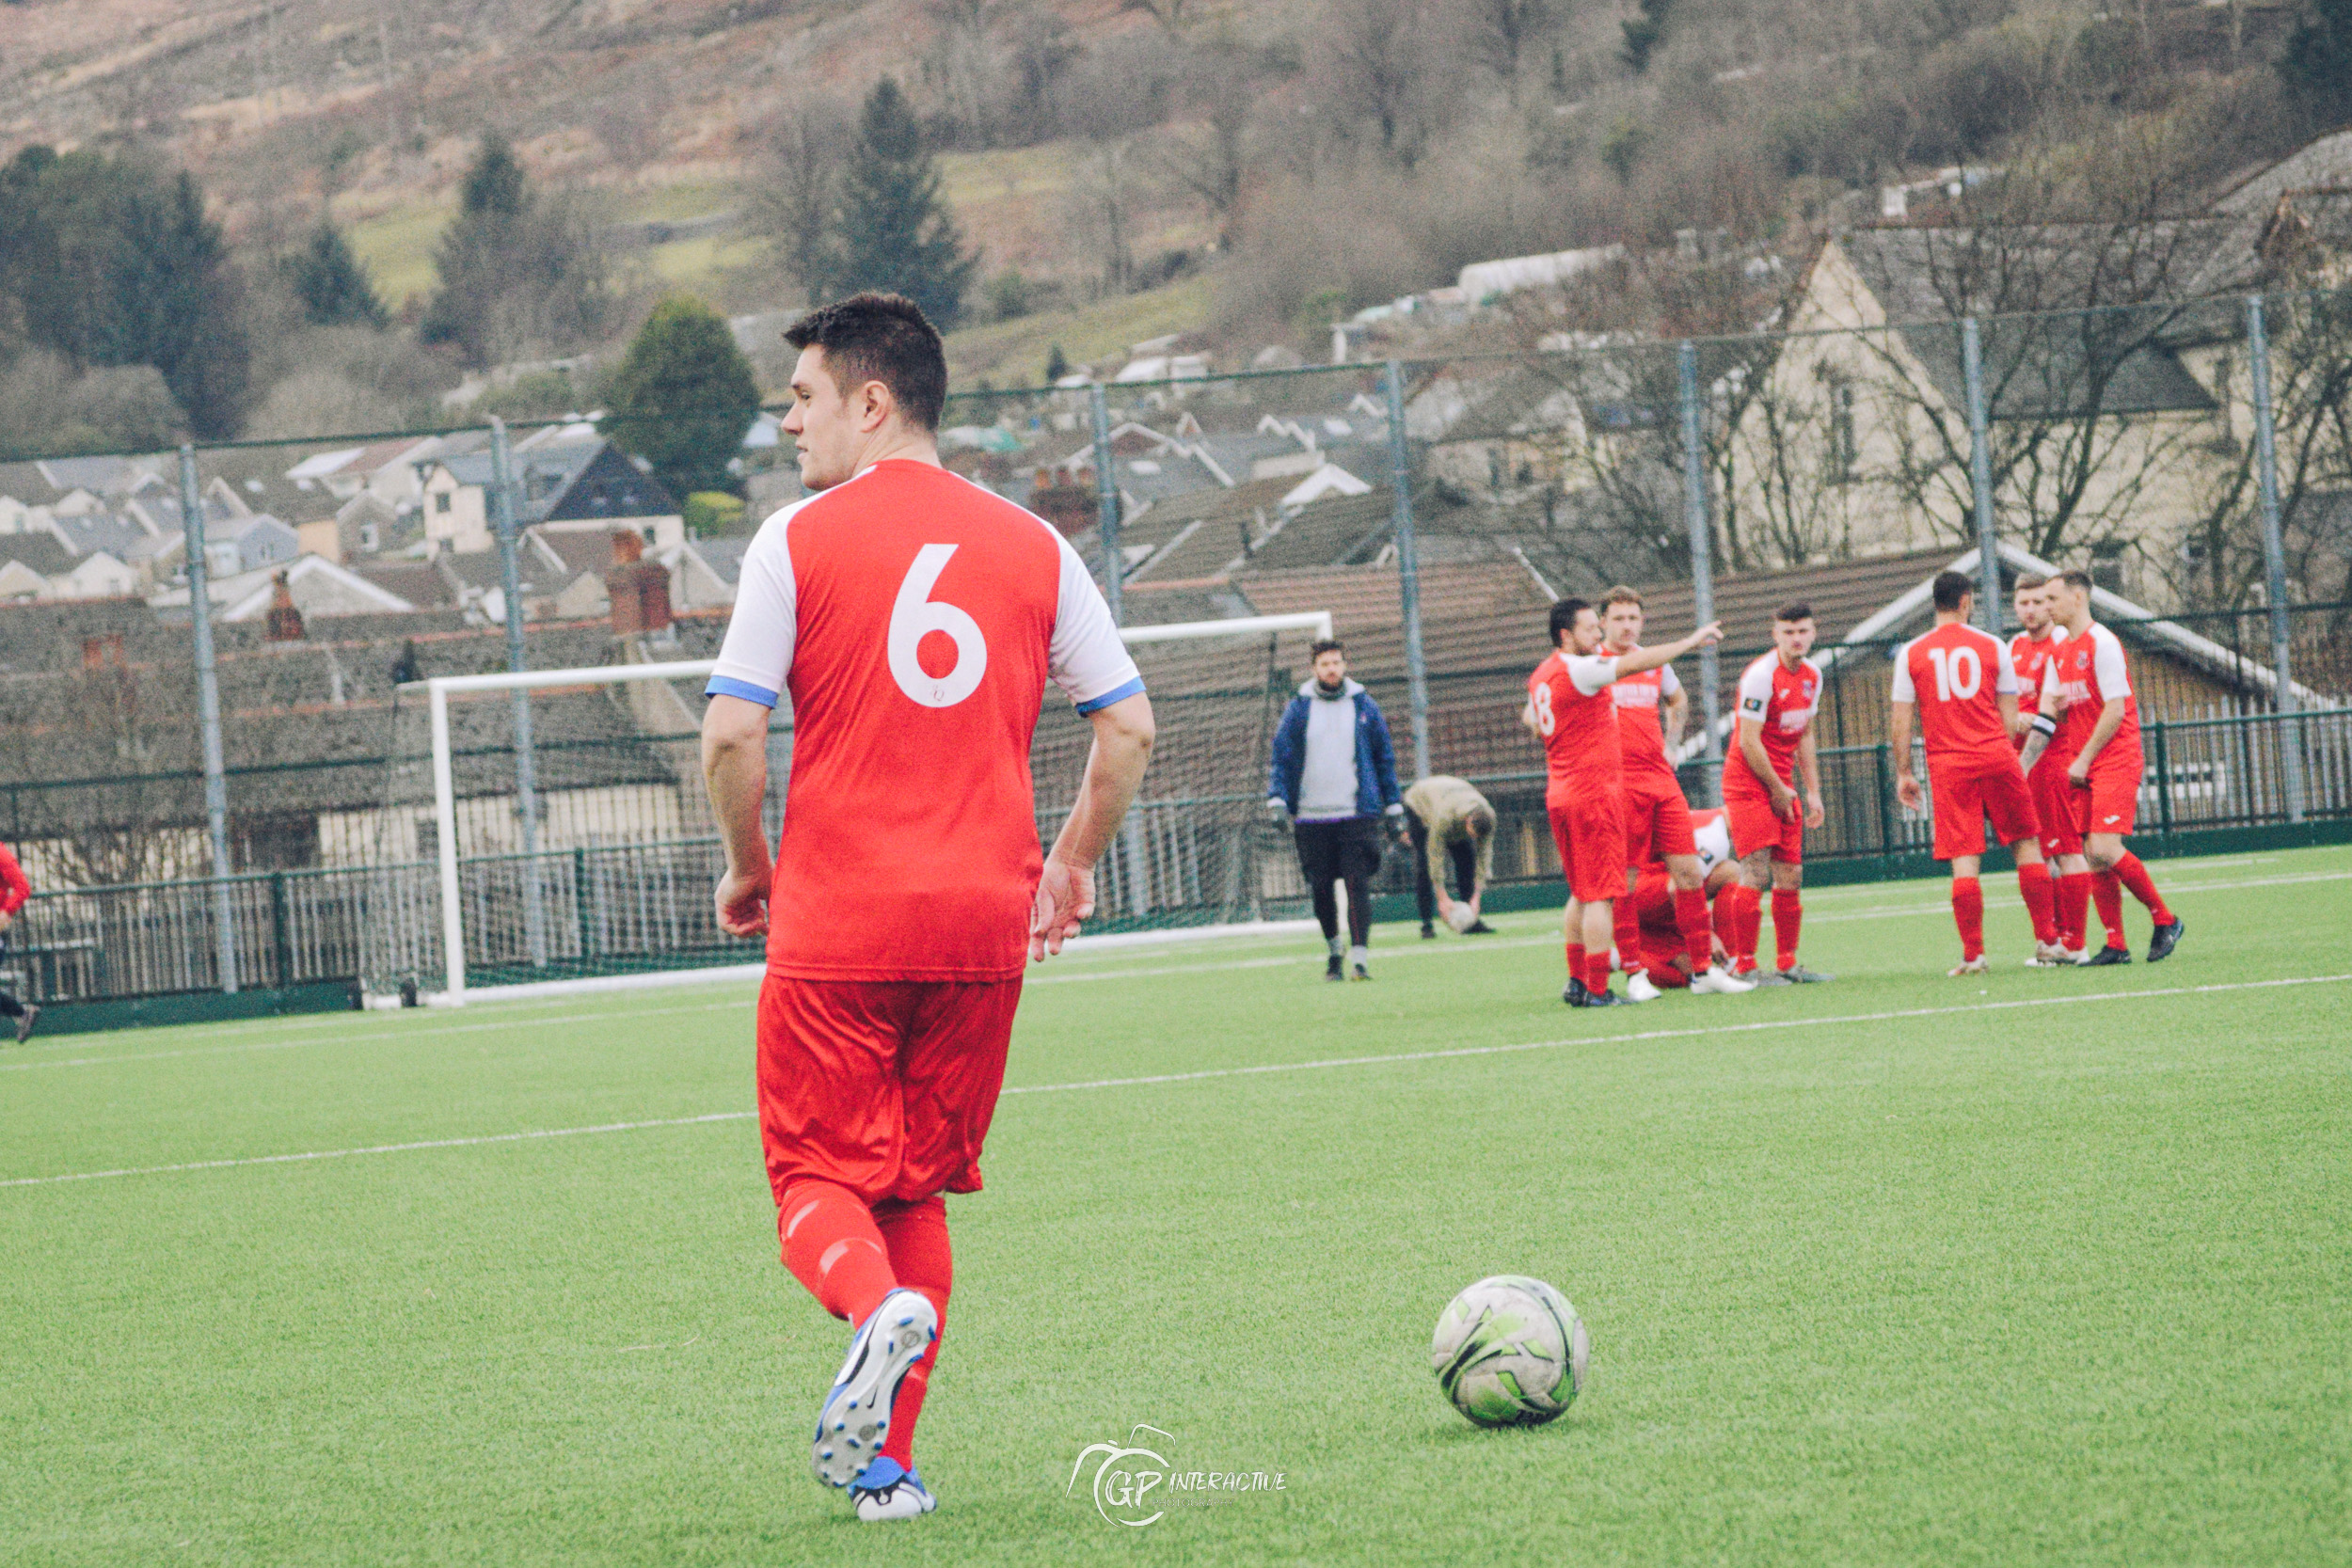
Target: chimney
[
  {"x": 638, "y": 589},
  {"x": 284, "y": 622}
]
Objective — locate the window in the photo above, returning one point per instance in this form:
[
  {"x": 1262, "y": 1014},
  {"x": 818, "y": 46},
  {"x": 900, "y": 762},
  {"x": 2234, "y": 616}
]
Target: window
[
  {"x": 368, "y": 538},
  {"x": 1844, "y": 447},
  {"x": 2106, "y": 565},
  {"x": 440, "y": 500}
]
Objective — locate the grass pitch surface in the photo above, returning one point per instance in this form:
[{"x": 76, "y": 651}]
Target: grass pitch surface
[{"x": 2031, "y": 1267}]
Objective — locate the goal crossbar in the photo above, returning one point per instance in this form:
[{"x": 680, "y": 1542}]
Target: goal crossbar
[{"x": 438, "y": 688}]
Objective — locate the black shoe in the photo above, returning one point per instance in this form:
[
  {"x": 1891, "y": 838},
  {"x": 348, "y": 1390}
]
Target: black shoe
[
  {"x": 1762, "y": 978},
  {"x": 1576, "y": 995},
  {"x": 2168, "y": 937},
  {"x": 1428, "y": 933},
  {"x": 2106, "y": 956},
  {"x": 1797, "y": 975},
  {"x": 1479, "y": 929},
  {"x": 1362, "y": 974},
  {"x": 25, "y": 1023},
  {"x": 1331, "y": 971},
  {"x": 1606, "y": 998}
]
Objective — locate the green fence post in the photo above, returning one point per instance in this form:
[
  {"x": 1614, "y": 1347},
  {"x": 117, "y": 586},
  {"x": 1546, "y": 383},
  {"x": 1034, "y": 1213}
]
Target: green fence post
[
  {"x": 579, "y": 898},
  {"x": 1881, "y": 757},
  {"x": 284, "y": 943},
  {"x": 2164, "y": 782}
]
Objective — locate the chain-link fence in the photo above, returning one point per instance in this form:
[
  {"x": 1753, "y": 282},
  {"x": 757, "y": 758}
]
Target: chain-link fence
[{"x": 2193, "y": 459}]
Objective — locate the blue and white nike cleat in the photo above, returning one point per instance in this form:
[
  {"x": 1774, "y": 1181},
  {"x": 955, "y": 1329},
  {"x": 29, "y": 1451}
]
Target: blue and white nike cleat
[
  {"x": 856, "y": 1415},
  {"x": 883, "y": 1492}
]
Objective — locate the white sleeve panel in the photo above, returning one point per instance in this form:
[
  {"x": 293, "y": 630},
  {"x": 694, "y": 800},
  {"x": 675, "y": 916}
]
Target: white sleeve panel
[
  {"x": 1904, "y": 691},
  {"x": 756, "y": 659},
  {"x": 2005, "y": 681},
  {"x": 2106, "y": 662},
  {"x": 1086, "y": 658},
  {"x": 1590, "y": 674},
  {"x": 1667, "y": 684}
]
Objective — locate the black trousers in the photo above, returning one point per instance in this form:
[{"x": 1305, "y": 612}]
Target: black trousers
[
  {"x": 9, "y": 1005},
  {"x": 1462, "y": 853},
  {"x": 1334, "y": 852}
]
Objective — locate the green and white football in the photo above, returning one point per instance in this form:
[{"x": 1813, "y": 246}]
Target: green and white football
[{"x": 1509, "y": 1351}]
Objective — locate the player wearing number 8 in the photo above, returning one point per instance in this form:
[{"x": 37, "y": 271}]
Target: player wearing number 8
[
  {"x": 914, "y": 619},
  {"x": 1964, "y": 689}
]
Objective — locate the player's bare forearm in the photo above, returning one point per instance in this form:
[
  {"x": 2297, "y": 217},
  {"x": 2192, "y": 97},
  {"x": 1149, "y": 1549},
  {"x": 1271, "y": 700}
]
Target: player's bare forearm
[
  {"x": 1809, "y": 770},
  {"x": 1651, "y": 659},
  {"x": 1752, "y": 752},
  {"x": 1124, "y": 734},
  {"x": 2111, "y": 720},
  {"x": 1675, "y": 715},
  {"x": 1899, "y": 745},
  {"x": 735, "y": 769}
]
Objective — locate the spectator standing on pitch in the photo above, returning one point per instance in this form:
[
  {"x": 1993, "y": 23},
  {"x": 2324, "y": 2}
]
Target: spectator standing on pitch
[
  {"x": 1960, "y": 683},
  {"x": 2090, "y": 680},
  {"x": 1334, "y": 774},
  {"x": 915, "y": 619},
  {"x": 1777, "y": 696},
  {"x": 14, "y": 891},
  {"x": 1571, "y": 712},
  {"x": 1453, "y": 828},
  {"x": 2030, "y": 653},
  {"x": 1651, "y": 710}
]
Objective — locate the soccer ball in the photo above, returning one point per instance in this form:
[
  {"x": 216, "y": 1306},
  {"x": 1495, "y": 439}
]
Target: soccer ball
[
  {"x": 1461, "y": 917},
  {"x": 1509, "y": 1351}
]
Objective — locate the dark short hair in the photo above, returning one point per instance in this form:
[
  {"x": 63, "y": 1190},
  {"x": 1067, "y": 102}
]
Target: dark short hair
[
  {"x": 1795, "y": 609},
  {"x": 1621, "y": 595},
  {"x": 1326, "y": 645},
  {"x": 2079, "y": 582},
  {"x": 1564, "y": 616},
  {"x": 884, "y": 338},
  {"x": 2028, "y": 582},
  {"x": 1950, "y": 588}
]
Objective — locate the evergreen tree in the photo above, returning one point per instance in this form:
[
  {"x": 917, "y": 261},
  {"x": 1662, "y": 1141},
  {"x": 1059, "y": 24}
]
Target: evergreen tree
[
  {"x": 514, "y": 270},
  {"x": 332, "y": 284},
  {"x": 683, "y": 397},
  {"x": 2316, "y": 64},
  {"x": 892, "y": 229},
  {"x": 1643, "y": 32}
]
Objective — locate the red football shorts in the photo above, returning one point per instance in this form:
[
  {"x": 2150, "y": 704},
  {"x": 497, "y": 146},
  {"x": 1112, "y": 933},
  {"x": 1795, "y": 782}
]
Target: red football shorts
[
  {"x": 2108, "y": 800},
  {"x": 883, "y": 1086},
  {"x": 2054, "y": 806},
  {"x": 1994, "y": 789},
  {"x": 1657, "y": 818},
  {"x": 1755, "y": 826},
  {"x": 1590, "y": 831}
]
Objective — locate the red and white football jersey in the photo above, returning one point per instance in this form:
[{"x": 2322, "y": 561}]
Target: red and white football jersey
[
  {"x": 2090, "y": 670},
  {"x": 1957, "y": 675},
  {"x": 2029, "y": 656},
  {"x": 1641, "y": 734},
  {"x": 1781, "y": 702},
  {"x": 914, "y": 618},
  {"x": 1710, "y": 831},
  {"x": 1578, "y": 721}
]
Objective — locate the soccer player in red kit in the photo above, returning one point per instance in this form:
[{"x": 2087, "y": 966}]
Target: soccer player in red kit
[
  {"x": 1651, "y": 703},
  {"x": 914, "y": 619},
  {"x": 1960, "y": 683},
  {"x": 2030, "y": 652},
  {"x": 2092, "y": 680},
  {"x": 1777, "y": 696},
  {"x": 1663, "y": 951},
  {"x": 1569, "y": 708}
]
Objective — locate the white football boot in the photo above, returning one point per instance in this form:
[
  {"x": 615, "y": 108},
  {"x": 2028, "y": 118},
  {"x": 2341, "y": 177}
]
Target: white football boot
[
  {"x": 884, "y": 1491},
  {"x": 1641, "y": 987},
  {"x": 1715, "y": 980},
  {"x": 856, "y": 1416},
  {"x": 2047, "y": 955},
  {"x": 1978, "y": 965}
]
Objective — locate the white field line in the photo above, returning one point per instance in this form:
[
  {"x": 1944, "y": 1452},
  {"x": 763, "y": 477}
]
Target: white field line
[
  {"x": 1323, "y": 1065},
  {"x": 315, "y": 1036}
]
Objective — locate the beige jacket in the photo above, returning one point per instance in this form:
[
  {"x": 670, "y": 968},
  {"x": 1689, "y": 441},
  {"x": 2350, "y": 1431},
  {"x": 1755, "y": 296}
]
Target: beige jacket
[{"x": 1444, "y": 805}]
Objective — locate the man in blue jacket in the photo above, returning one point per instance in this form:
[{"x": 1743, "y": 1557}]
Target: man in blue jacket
[{"x": 1334, "y": 775}]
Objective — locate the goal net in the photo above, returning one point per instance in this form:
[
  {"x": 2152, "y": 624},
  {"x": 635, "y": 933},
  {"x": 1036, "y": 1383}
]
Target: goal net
[{"x": 552, "y": 828}]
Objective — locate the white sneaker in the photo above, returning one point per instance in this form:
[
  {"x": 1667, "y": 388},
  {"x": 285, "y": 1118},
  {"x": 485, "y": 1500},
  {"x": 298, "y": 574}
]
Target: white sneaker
[
  {"x": 1978, "y": 965},
  {"x": 855, "y": 1415},
  {"x": 2047, "y": 955},
  {"x": 1641, "y": 987},
  {"x": 1715, "y": 980},
  {"x": 2079, "y": 957},
  {"x": 883, "y": 1492}
]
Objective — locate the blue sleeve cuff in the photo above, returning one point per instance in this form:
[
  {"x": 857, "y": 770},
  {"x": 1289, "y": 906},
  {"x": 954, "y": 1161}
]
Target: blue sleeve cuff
[
  {"x": 726, "y": 686},
  {"x": 1117, "y": 694}
]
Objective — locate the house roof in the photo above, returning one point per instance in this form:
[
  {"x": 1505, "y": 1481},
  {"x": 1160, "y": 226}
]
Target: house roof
[
  {"x": 2325, "y": 162},
  {"x": 1843, "y": 594},
  {"x": 40, "y": 552},
  {"x": 559, "y": 480},
  {"x": 418, "y": 582}
]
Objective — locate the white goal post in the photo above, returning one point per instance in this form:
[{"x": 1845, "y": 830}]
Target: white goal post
[{"x": 438, "y": 688}]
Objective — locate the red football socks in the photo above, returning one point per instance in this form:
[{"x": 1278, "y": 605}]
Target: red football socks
[
  {"x": 833, "y": 1247},
  {"x": 1627, "y": 920},
  {"x": 2107, "y": 893},
  {"x": 1751, "y": 926},
  {"x": 916, "y": 1235},
  {"x": 2073, "y": 908},
  {"x": 2033, "y": 881},
  {"x": 1596, "y": 972},
  {"x": 2135, "y": 876},
  {"x": 1788, "y": 914},
  {"x": 1969, "y": 914},
  {"x": 1576, "y": 962},
  {"x": 1727, "y": 922},
  {"x": 1691, "y": 919}
]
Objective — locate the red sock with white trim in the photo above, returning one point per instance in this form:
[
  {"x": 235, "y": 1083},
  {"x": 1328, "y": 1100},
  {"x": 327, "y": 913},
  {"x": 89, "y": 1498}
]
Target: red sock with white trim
[
  {"x": 1969, "y": 914},
  {"x": 2033, "y": 882},
  {"x": 2107, "y": 893},
  {"x": 1690, "y": 920},
  {"x": 832, "y": 1246},
  {"x": 2073, "y": 908},
  {"x": 1788, "y": 915},
  {"x": 2144, "y": 887},
  {"x": 916, "y": 1237}
]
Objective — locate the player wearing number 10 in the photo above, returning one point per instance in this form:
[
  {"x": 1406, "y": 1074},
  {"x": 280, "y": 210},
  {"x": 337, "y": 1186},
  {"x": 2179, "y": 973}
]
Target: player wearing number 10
[{"x": 914, "y": 619}]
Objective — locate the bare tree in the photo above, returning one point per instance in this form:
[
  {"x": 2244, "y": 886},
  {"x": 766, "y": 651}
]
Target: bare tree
[
  {"x": 1384, "y": 73},
  {"x": 1499, "y": 33},
  {"x": 800, "y": 172},
  {"x": 1210, "y": 156}
]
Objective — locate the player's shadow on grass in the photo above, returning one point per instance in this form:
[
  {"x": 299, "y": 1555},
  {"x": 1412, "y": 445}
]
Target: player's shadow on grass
[{"x": 1455, "y": 1433}]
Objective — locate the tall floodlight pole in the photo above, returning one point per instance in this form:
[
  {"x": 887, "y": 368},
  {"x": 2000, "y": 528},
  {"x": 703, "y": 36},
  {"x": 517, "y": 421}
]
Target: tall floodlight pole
[
  {"x": 1980, "y": 479},
  {"x": 1107, "y": 506},
  {"x": 208, "y": 713},
  {"x": 1701, "y": 555},
  {"x": 526, "y": 770},
  {"x": 2274, "y": 553},
  {"x": 1408, "y": 570}
]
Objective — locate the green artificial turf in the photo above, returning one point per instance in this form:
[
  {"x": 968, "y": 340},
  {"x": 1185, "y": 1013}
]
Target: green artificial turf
[{"x": 1964, "y": 1278}]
